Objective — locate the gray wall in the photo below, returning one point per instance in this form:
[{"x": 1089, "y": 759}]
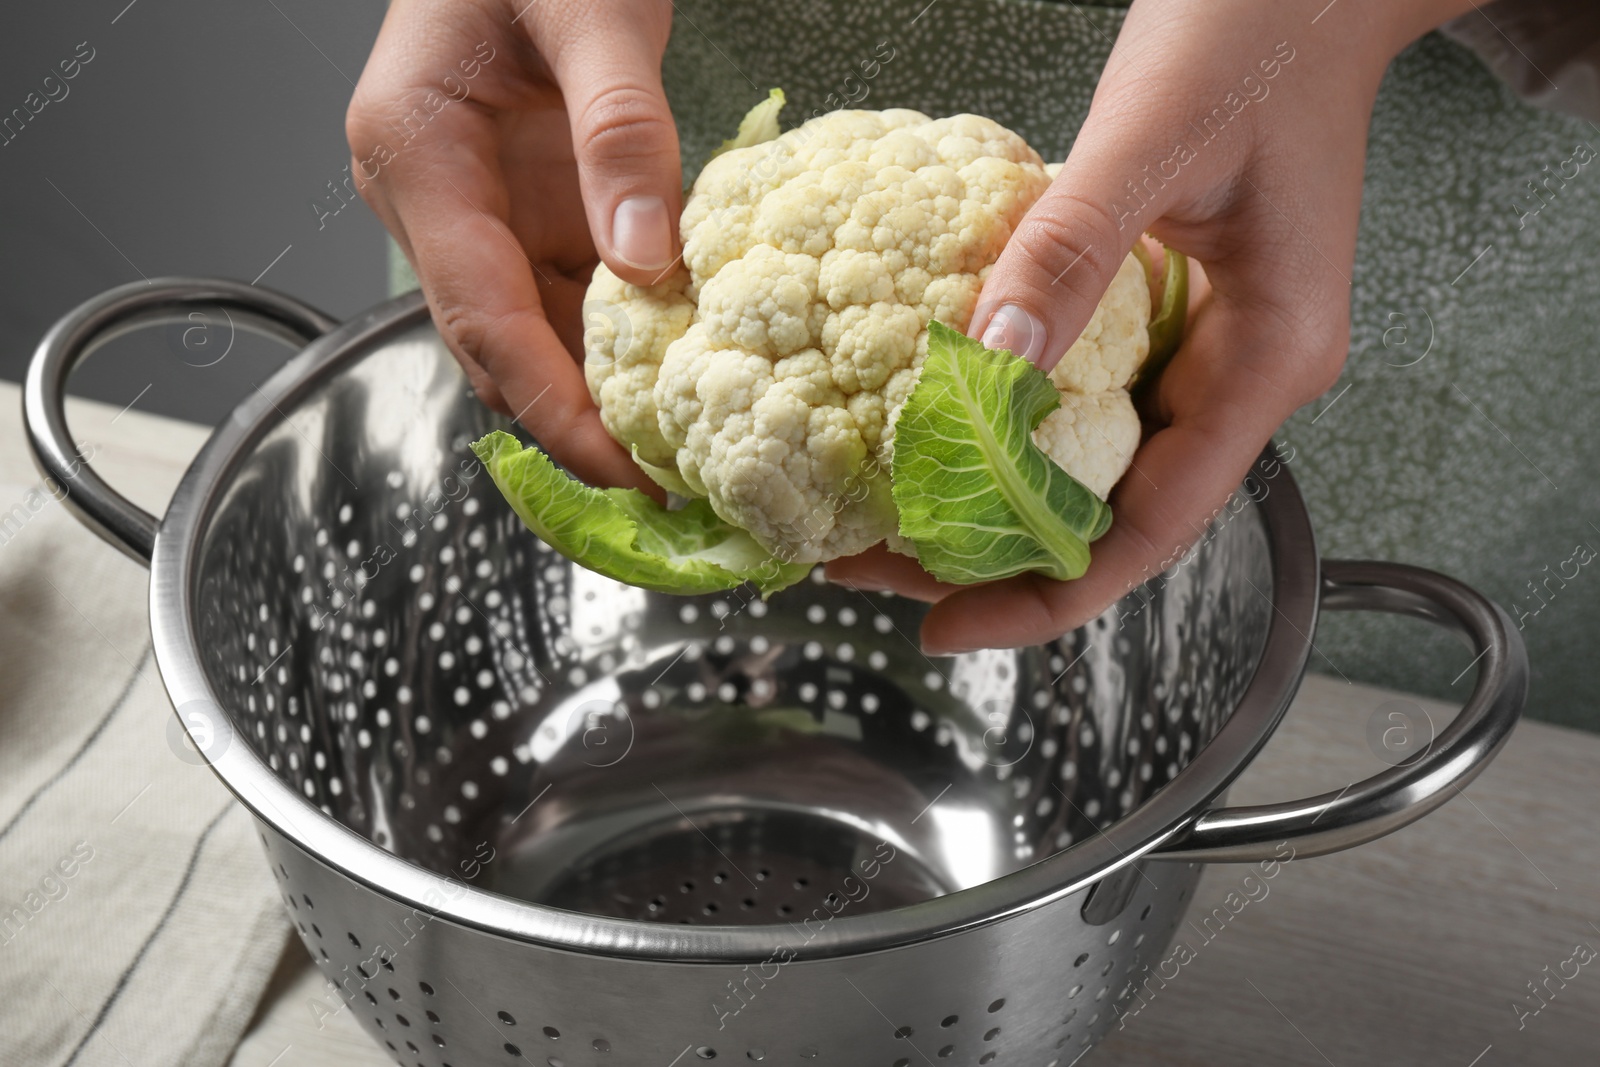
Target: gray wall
[{"x": 193, "y": 142}]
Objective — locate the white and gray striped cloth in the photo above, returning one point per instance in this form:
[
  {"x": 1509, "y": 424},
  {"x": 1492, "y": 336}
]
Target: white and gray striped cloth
[{"x": 138, "y": 926}]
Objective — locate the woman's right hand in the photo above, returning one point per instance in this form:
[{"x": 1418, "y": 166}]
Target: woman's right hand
[
  {"x": 1184, "y": 141},
  {"x": 509, "y": 146}
]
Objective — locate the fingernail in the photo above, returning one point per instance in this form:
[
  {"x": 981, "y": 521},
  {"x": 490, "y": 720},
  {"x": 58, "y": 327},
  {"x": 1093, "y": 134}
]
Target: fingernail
[
  {"x": 641, "y": 233},
  {"x": 1016, "y": 330},
  {"x": 939, "y": 650}
]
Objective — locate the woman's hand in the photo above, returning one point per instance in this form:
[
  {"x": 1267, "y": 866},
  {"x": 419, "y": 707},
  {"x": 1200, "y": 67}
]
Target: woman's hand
[
  {"x": 509, "y": 146},
  {"x": 1236, "y": 132}
]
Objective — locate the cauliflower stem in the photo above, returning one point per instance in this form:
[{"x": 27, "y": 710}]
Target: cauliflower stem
[{"x": 1166, "y": 326}]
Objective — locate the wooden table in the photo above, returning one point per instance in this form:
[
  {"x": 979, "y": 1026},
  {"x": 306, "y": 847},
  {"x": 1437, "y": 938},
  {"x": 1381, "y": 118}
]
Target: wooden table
[{"x": 1415, "y": 950}]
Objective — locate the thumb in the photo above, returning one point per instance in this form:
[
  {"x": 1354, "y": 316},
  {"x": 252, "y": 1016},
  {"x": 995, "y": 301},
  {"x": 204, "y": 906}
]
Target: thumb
[
  {"x": 1065, "y": 252},
  {"x": 608, "y": 64}
]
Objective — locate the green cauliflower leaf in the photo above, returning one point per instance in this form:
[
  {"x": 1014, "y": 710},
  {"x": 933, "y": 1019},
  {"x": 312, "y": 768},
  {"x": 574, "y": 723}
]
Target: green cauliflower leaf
[
  {"x": 623, "y": 534},
  {"x": 978, "y": 500}
]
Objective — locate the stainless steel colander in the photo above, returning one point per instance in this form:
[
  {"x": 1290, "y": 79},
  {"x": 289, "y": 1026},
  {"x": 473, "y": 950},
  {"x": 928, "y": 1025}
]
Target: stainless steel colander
[{"x": 520, "y": 813}]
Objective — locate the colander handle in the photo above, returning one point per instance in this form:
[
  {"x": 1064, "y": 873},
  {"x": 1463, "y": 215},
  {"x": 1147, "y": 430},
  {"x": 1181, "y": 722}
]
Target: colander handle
[
  {"x": 1367, "y": 810},
  {"x": 93, "y": 323}
]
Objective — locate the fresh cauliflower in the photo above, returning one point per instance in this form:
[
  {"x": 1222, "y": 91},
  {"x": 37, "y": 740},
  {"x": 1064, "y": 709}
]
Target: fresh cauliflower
[
  {"x": 765, "y": 373},
  {"x": 1092, "y": 436}
]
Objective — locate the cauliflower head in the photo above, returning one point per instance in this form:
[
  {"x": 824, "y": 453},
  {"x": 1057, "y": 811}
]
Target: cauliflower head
[{"x": 765, "y": 373}]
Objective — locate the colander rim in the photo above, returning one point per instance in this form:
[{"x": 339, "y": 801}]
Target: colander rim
[{"x": 1166, "y": 813}]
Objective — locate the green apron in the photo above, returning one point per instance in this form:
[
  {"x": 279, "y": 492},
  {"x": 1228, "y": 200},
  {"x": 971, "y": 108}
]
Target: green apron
[{"x": 1459, "y": 436}]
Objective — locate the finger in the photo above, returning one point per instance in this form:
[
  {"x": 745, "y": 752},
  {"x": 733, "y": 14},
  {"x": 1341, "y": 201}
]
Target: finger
[
  {"x": 562, "y": 299},
  {"x": 391, "y": 109},
  {"x": 607, "y": 59},
  {"x": 877, "y": 569},
  {"x": 1181, "y": 478},
  {"x": 1065, "y": 252},
  {"x": 484, "y": 291},
  {"x": 482, "y": 385},
  {"x": 484, "y": 295}
]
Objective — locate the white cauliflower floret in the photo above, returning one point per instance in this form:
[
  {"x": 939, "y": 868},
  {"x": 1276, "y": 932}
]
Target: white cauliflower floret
[
  {"x": 1091, "y": 437},
  {"x": 1114, "y": 344},
  {"x": 626, "y": 333},
  {"x": 768, "y": 372}
]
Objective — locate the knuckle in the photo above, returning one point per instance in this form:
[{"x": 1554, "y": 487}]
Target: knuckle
[
  {"x": 460, "y": 325},
  {"x": 365, "y": 135},
  {"x": 1310, "y": 339},
  {"x": 1323, "y": 373},
  {"x": 474, "y": 331},
  {"x": 624, "y": 123},
  {"x": 1322, "y": 346},
  {"x": 1325, "y": 360},
  {"x": 362, "y": 124},
  {"x": 1074, "y": 242}
]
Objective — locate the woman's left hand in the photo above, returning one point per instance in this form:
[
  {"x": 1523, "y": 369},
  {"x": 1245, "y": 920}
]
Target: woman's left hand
[{"x": 1234, "y": 131}]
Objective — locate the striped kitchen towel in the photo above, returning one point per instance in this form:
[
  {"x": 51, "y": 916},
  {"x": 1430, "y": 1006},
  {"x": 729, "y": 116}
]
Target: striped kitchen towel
[{"x": 138, "y": 924}]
